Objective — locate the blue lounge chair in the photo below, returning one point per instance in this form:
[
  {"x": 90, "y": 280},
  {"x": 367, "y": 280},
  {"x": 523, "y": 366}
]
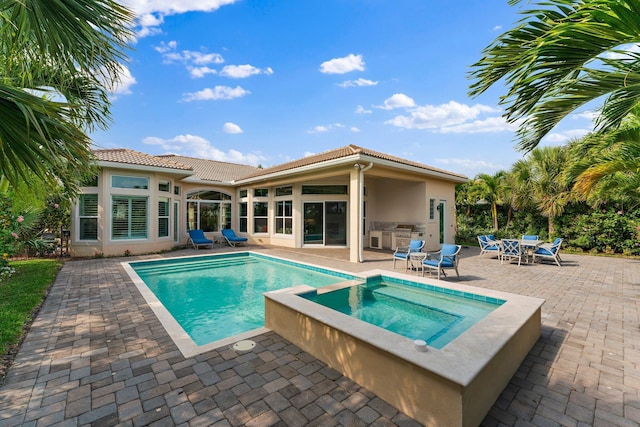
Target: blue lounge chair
[
  {"x": 403, "y": 252},
  {"x": 530, "y": 237},
  {"x": 550, "y": 251},
  {"x": 231, "y": 237},
  {"x": 447, "y": 257},
  {"x": 197, "y": 239},
  {"x": 488, "y": 245}
]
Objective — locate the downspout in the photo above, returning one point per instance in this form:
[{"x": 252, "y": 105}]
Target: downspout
[{"x": 363, "y": 169}]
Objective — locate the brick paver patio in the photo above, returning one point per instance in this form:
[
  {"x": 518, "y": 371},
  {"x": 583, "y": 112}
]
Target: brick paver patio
[{"x": 97, "y": 355}]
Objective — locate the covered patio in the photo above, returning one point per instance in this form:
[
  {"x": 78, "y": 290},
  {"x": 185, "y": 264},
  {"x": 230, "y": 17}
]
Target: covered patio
[{"x": 96, "y": 354}]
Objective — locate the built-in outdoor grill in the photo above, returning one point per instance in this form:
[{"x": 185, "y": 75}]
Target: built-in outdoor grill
[
  {"x": 401, "y": 235},
  {"x": 392, "y": 237}
]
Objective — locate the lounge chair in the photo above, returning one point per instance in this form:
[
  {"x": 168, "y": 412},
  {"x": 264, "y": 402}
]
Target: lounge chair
[
  {"x": 446, "y": 257},
  {"x": 403, "y": 252},
  {"x": 511, "y": 249},
  {"x": 488, "y": 245},
  {"x": 550, "y": 251},
  {"x": 530, "y": 237},
  {"x": 197, "y": 239},
  {"x": 231, "y": 237}
]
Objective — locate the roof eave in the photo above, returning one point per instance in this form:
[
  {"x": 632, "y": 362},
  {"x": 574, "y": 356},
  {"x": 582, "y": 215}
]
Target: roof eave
[
  {"x": 351, "y": 159},
  {"x": 159, "y": 169},
  {"x": 194, "y": 180}
]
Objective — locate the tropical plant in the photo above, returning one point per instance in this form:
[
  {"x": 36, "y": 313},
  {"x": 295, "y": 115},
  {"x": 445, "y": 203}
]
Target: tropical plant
[
  {"x": 57, "y": 62},
  {"x": 606, "y": 167},
  {"x": 489, "y": 189},
  {"x": 562, "y": 55}
]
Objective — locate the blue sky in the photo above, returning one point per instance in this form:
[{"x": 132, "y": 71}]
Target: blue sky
[{"x": 265, "y": 82}]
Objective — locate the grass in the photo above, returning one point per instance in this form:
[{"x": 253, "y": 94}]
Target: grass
[{"x": 20, "y": 298}]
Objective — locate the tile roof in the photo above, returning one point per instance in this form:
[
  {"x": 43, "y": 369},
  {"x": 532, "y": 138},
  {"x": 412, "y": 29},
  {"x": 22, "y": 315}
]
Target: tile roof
[
  {"x": 343, "y": 152},
  {"x": 132, "y": 157},
  {"x": 212, "y": 170}
]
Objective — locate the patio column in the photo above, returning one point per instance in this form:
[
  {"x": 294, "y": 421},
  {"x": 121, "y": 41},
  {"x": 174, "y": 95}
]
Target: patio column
[{"x": 354, "y": 214}]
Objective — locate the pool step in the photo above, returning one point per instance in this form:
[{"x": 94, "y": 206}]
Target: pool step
[
  {"x": 339, "y": 285},
  {"x": 195, "y": 265},
  {"x": 404, "y": 294}
]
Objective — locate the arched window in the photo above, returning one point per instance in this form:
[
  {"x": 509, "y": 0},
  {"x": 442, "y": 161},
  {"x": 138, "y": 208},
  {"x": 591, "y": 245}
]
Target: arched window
[{"x": 208, "y": 210}]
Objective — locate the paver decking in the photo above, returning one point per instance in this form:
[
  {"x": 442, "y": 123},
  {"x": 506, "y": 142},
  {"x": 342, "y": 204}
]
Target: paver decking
[{"x": 97, "y": 355}]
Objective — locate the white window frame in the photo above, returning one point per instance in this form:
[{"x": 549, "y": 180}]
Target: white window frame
[
  {"x": 84, "y": 216},
  {"x": 166, "y": 218},
  {"x": 129, "y": 218}
]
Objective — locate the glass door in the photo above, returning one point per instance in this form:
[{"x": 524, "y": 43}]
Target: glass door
[
  {"x": 325, "y": 223},
  {"x": 313, "y": 223},
  {"x": 336, "y": 223}
]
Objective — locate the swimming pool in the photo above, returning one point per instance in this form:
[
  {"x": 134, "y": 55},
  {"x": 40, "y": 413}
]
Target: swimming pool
[
  {"x": 431, "y": 315},
  {"x": 217, "y": 296}
]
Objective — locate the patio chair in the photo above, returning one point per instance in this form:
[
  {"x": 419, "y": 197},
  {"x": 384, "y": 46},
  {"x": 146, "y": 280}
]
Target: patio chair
[
  {"x": 232, "y": 238},
  {"x": 403, "y": 252},
  {"x": 197, "y": 239},
  {"x": 511, "y": 249},
  {"x": 446, "y": 257},
  {"x": 530, "y": 237},
  {"x": 489, "y": 246},
  {"x": 551, "y": 251}
]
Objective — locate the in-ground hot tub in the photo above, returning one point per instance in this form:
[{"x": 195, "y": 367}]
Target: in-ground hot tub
[{"x": 455, "y": 385}]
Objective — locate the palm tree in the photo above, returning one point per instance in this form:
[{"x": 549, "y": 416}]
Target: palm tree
[
  {"x": 562, "y": 55},
  {"x": 489, "y": 188},
  {"x": 549, "y": 191},
  {"x": 58, "y": 61},
  {"x": 606, "y": 167}
]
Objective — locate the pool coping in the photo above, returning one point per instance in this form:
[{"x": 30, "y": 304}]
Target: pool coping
[{"x": 180, "y": 337}]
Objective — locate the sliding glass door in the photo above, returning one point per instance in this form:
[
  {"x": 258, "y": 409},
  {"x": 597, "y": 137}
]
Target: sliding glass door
[{"x": 325, "y": 223}]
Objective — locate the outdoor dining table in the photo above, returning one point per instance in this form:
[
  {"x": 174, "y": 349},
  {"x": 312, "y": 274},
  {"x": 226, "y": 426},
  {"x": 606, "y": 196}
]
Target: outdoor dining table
[{"x": 528, "y": 247}]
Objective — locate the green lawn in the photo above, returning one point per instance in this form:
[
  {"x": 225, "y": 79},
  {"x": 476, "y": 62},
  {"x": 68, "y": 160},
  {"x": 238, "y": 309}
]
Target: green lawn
[{"x": 21, "y": 295}]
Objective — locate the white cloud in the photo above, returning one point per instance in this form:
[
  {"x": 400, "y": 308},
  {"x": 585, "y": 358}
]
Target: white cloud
[
  {"x": 151, "y": 13},
  {"x": 468, "y": 165},
  {"x": 497, "y": 28},
  {"x": 198, "y": 72},
  {"x": 122, "y": 85},
  {"x": 358, "y": 83},
  {"x": 215, "y": 94},
  {"x": 397, "y": 100},
  {"x": 229, "y": 127},
  {"x": 190, "y": 57},
  {"x": 243, "y": 71},
  {"x": 585, "y": 115},
  {"x": 564, "y": 136},
  {"x": 166, "y": 47},
  {"x": 354, "y": 129},
  {"x": 490, "y": 124},
  {"x": 343, "y": 65},
  {"x": 622, "y": 52},
  {"x": 361, "y": 110},
  {"x": 196, "y": 146},
  {"x": 326, "y": 128},
  {"x": 438, "y": 117}
]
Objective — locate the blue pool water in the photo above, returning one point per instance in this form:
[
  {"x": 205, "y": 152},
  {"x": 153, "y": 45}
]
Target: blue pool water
[
  {"x": 218, "y": 296},
  {"x": 416, "y": 311}
]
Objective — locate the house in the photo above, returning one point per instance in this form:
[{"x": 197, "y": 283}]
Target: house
[{"x": 350, "y": 197}]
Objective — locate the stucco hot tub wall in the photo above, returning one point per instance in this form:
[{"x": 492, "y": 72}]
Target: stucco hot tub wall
[{"x": 454, "y": 386}]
